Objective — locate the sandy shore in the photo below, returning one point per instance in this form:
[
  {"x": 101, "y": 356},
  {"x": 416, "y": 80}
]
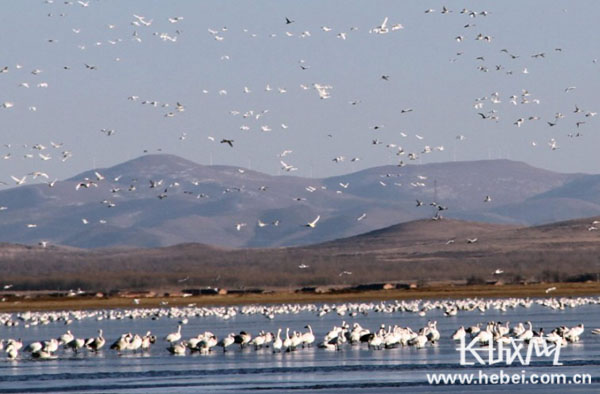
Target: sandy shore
[{"x": 41, "y": 303}]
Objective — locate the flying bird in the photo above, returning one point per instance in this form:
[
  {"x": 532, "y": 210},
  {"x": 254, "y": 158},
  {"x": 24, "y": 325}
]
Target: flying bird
[
  {"x": 229, "y": 142},
  {"x": 313, "y": 224},
  {"x": 287, "y": 167},
  {"x": 19, "y": 181}
]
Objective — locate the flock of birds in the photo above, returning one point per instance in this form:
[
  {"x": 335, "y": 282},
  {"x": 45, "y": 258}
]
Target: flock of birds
[
  {"x": 498, "y": 332},
  {"x": 389, "y": 336},
  {"x": 487, "y": 107}
]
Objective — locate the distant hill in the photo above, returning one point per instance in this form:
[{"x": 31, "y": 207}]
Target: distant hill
[
  {"x": 162, "y": 200},
  {"x": 423, "y": 250}
]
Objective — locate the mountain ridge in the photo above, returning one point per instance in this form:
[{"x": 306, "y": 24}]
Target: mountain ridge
[
  {"x": 422, "y": 250},
  {"x": 161, "y": 200}
]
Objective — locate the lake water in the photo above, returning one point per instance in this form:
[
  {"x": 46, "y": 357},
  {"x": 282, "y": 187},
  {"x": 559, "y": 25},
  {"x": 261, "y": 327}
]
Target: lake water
[{"x": 351, "y": 369}]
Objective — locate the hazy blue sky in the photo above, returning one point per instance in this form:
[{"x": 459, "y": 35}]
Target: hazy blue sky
[{"x": 426, "y": 74}]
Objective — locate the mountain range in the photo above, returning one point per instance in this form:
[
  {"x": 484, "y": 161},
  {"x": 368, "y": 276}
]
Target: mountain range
[
  {"x": 422, "y": 250},
  {"x": 164, "y": 200}
]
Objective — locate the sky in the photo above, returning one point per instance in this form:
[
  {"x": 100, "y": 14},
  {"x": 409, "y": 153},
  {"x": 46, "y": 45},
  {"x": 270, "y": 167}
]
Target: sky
[{"x": 73, "y": 69}]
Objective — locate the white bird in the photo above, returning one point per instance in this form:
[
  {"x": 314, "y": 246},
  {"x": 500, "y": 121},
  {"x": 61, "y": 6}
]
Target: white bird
[
  {"x": 460, "y": 333},
  {"x": 227, "y": 341},
  {"x": 381, "y": 29},
  {"x": 361, "y": 217},
  {"x": 178, "y": 349},
  {"x": 19, "y": 181},
  {"x": 174, "y": 336},
  {"x": 313, "y": 224},
  {"x": 37, "y": 174},
  {"x": 277, "y": 343},
  {"x": 175, "y": 19},
  {"x": 108, "y": 132},
  {"x": 287, "y": 167}
]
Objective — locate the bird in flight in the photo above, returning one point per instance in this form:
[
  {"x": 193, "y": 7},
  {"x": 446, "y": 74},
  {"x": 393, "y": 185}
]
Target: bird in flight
[
  {"x": 287, "y": 167},
  {"x": 313, "y": 224},
  {"x": 19, "y": 181},
  {"x": 288, "y": 21},
  {"x": 229, "y": 142}
]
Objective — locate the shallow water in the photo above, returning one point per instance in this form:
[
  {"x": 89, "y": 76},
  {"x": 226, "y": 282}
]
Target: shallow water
[{"x": 352, "y": 368}]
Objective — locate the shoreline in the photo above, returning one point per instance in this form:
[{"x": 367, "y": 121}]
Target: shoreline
[{"x": 45, "y": 303}]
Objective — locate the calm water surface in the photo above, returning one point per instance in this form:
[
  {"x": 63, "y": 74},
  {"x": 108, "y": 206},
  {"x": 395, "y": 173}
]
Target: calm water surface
[{"x": 351, "y": 369}]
